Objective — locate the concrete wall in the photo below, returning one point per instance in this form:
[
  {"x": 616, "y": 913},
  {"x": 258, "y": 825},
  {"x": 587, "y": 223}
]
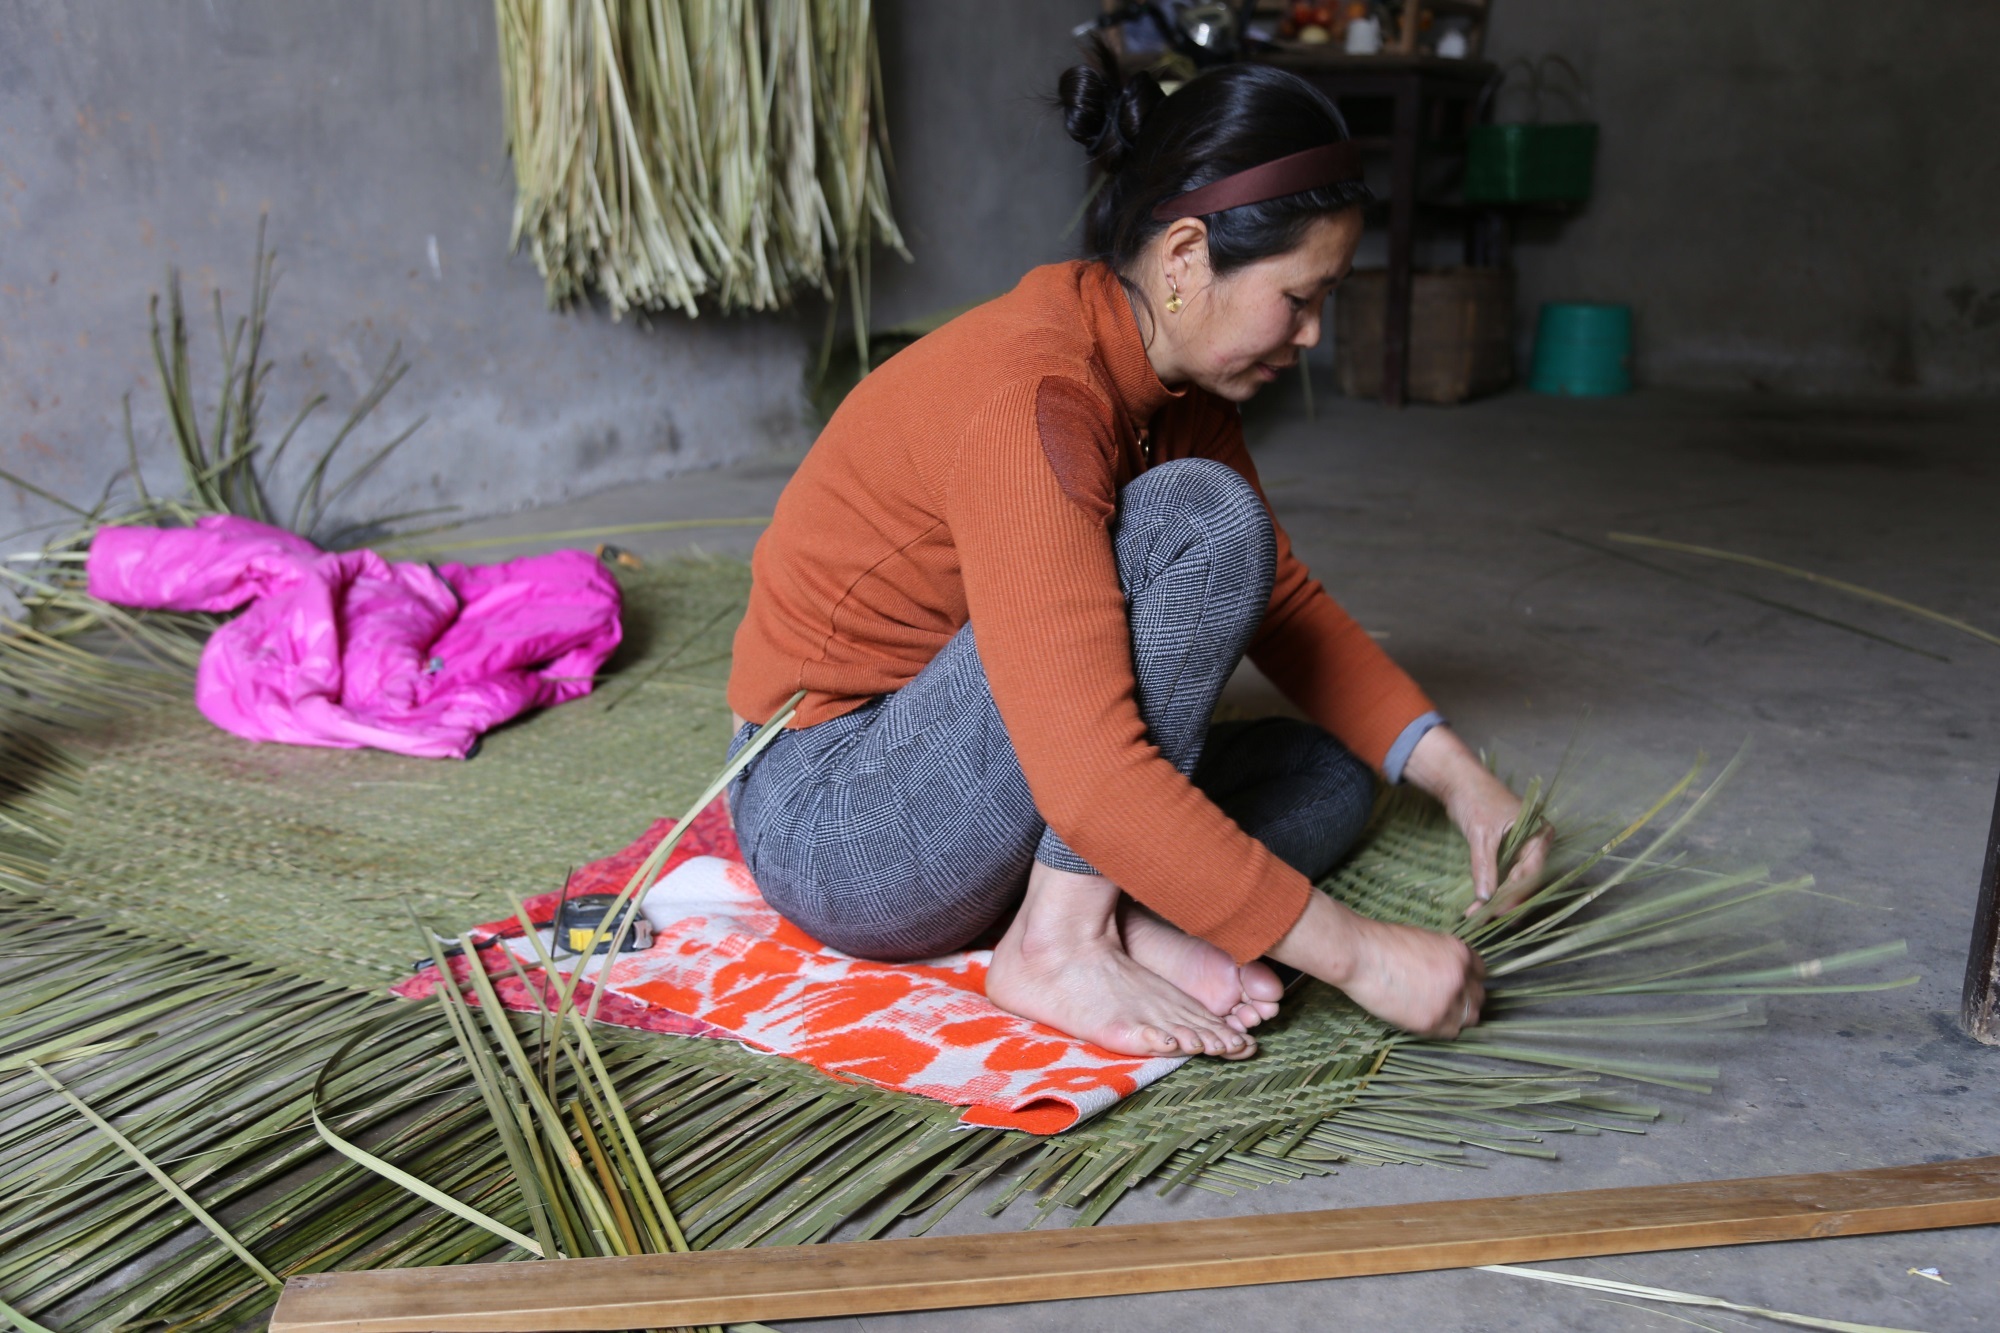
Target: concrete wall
[
  {"x": 137, "y": 135},
  {"x": 986, "y": 180},
  {"x": 1793, "y": 194},
  {"x": 134, "y": 136}
]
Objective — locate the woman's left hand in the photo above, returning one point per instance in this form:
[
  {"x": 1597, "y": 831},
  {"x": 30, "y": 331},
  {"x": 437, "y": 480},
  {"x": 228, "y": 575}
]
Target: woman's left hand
[{"x": 1483, "y": 809}]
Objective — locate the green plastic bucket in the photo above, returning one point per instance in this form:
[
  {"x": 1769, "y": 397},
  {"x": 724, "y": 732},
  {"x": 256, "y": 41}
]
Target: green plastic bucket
[
  {"x": 1583, "y": 349},
  {"x": 1530, "y": 164}
]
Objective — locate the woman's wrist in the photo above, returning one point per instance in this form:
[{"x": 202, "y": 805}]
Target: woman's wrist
[
  {"x": 1484, "y": 808},
  {"x": 1442, "y": 764},
  {"x": 1325, "y": 942},
  {"x": 1424, "y": 981}
]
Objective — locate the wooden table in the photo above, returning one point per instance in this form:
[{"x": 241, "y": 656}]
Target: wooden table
[{"x": 1434, "y": 102}]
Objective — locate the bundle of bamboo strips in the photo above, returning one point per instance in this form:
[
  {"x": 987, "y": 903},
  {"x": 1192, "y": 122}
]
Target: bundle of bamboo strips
[{"x": 668, "y": 153}]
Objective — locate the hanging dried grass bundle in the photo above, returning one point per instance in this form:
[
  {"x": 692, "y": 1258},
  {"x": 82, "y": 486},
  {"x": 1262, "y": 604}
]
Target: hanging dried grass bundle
[{"x": 665, "y": 153}]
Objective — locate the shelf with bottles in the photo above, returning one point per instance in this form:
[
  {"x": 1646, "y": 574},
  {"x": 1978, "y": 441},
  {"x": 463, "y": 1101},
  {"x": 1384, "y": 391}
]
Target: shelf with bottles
[{"x": 1361, "y": 29}]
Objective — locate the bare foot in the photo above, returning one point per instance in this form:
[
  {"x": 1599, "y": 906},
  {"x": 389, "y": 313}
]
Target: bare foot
[
  {"x": 1063, "y": 963},
  {"x": 1242, "y": 996}
]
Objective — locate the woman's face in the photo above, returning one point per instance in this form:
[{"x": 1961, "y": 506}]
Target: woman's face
[{"x": 1239, "y": 332}]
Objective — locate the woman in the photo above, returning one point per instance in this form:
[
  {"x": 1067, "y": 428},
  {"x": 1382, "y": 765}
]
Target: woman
[{"x": 1012, "y": 577}]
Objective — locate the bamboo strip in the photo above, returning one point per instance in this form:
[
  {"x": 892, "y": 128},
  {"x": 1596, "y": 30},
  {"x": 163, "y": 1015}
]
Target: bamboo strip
[
  {"x": 1793, "y": 571},
  {"x": 1608, "y": 1289}
]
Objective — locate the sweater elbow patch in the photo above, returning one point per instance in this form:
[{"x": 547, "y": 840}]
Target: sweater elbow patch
[{"x": 1070, "y": 422}]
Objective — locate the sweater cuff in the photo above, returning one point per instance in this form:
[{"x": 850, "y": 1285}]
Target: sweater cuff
[{"x": 1399, "y": 753}]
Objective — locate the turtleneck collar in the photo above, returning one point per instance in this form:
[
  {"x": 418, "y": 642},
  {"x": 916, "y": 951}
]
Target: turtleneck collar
[{"x": 1121, "y": 347}]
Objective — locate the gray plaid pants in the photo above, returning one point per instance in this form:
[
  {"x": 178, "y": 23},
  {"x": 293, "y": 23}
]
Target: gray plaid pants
[{"x": 905, "y": 828}]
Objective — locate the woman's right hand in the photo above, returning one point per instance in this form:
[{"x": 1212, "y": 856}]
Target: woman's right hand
[{"x": 1419, "y": 980}]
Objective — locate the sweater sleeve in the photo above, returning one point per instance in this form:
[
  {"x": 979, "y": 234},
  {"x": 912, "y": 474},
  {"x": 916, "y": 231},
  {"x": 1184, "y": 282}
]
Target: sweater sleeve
[
  {"x": 1048, "y": 614},
  {"x": 1316, "y": 653}
]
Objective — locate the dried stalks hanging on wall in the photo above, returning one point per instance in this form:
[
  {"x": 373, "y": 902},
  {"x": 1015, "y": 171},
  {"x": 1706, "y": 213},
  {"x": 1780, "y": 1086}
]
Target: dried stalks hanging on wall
[{"x": 666, "y": 154}]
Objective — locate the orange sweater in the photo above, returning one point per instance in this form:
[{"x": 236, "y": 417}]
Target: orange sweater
[{"x": 974, "y": 477}]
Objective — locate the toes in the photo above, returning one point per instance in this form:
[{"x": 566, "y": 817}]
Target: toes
[
  {"x": 1236, "y": 1046},
  {"x": 1244, "y": 1017},
  {"x": 1189, "y": 1041},
  {"x": 1231, "y": 1044},
  {"x": 1199, "y": 1041},
  {"x": 1261, "y": 983},
  {"x": 1156, "y": 1041},
  {"x": 1199, "y": 1037}
]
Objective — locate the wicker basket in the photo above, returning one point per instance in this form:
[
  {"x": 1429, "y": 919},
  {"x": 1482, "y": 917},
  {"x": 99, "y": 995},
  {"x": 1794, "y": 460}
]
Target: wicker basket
[{"x": 1461, "y": 333}]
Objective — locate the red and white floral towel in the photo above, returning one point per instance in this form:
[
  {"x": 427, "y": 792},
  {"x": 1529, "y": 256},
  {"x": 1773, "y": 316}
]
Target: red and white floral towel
[{"x": 724, "y": 964}]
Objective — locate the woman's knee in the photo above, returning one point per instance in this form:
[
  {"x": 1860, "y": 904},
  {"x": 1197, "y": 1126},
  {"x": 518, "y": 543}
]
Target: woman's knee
[
  {"x": 1192, "y": 505},
  {"x": 885, "y": 842}
]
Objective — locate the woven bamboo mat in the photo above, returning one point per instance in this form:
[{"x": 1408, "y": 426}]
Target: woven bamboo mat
[
  {"x": 304, "y": 858},
  {"x": 228, "y": 913}
]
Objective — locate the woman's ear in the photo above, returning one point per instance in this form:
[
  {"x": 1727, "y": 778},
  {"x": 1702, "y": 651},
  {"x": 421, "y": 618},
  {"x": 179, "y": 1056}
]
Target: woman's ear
[{"x": 1184, "y": 253}]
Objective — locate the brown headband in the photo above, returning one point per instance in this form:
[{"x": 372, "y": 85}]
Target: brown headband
[{"x": 1329, "y": 164}]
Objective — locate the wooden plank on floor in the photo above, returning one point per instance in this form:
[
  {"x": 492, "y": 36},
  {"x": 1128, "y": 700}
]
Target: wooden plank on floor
[{"x": 928, "y": 1273}]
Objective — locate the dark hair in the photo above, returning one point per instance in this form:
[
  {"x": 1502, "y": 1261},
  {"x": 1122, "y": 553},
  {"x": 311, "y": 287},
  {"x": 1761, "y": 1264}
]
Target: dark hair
[{"x": 1151, "y": 147}]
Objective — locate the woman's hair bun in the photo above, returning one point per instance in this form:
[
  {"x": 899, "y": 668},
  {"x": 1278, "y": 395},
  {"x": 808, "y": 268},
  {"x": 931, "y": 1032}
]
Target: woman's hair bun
[
  {"x": 1100, "y": 110},
  {"x": 1148, "y": 148}
]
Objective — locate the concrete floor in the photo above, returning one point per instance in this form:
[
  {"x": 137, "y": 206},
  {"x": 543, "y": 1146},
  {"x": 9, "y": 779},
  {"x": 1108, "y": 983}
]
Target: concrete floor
[{"x": 1872, "y": 766}]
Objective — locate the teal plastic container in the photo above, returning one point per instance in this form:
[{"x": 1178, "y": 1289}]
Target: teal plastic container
[{"x": 1583, "y": 349}]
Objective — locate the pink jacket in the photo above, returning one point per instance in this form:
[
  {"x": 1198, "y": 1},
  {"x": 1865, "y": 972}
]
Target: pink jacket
[{"x": 347, "y": 650}]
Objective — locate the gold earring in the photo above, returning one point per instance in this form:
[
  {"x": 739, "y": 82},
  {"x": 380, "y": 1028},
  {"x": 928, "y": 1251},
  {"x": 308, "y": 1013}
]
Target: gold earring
[{"x": 1174, "y": 302}]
